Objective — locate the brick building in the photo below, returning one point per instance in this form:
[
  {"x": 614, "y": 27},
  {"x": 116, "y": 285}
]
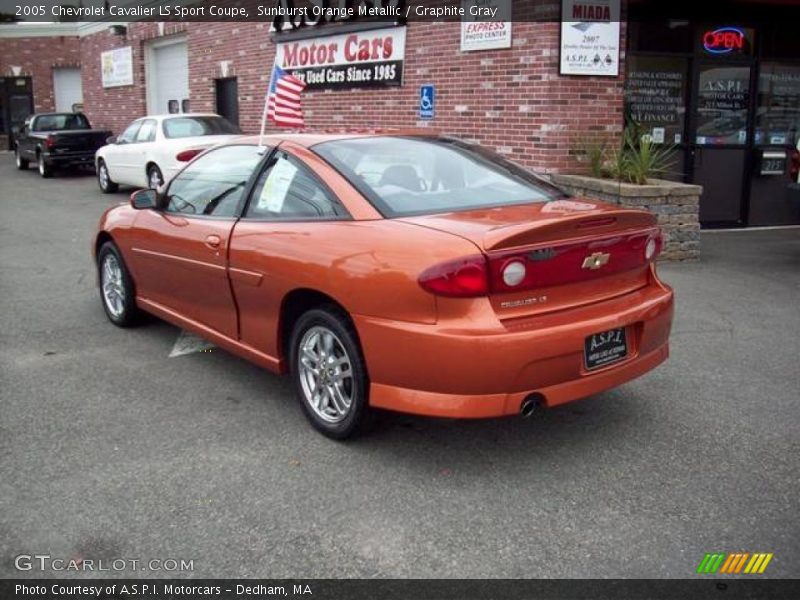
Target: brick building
[
  {"x": 511, "y": 99},
  {"x": 515, "y": 99}
]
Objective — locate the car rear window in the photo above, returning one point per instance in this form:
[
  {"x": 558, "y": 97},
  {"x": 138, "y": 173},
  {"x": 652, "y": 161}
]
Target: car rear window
[
  {"x": 181, "y": 127},
  {"x": 64, "y": 122},
  {"x": 405, "y": 176}
]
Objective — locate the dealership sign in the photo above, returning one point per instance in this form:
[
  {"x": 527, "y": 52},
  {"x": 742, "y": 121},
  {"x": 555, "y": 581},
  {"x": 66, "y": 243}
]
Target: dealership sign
[
  {"x": 486, "y": 35},
  {"x": 590, "y": 37},
  {"x": 117, "y": 67},
  {"x": 360, "y": 59}
]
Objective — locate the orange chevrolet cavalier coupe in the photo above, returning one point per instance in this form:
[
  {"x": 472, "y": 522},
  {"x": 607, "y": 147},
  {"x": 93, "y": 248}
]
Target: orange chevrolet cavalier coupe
[{"x": 413, "y": 273}]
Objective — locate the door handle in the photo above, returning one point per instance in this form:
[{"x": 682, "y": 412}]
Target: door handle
[{"x": 213, "y": 241}]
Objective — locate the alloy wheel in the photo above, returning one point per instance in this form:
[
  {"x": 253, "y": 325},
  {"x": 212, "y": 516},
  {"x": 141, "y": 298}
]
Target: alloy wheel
[
  {"x": 326, "y": 374},
  {"x": 113, "y": 287},
  {"x": 103, "y": 175},
  {"x": 155, "y": 179}
]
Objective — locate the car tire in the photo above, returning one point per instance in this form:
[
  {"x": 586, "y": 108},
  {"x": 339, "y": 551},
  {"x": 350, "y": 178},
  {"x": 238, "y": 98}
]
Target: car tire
[
  {"x": 154, "y": 177},
  {"x": 325, "y": 337},
  {"x": 117, "y": 292},
  {"x": 104, "y": 178},
  {"x": 44, "y": 169},
  {"x": 22, "y": 163}
]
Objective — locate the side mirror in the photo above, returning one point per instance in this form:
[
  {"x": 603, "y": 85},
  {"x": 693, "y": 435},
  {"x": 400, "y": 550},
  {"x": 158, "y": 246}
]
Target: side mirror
[
  {"x": 142, "y": 199},
  {"x": 112, "y": 139}
]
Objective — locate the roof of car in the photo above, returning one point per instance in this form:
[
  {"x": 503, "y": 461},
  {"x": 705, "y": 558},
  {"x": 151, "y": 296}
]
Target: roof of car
[
  {"x": 54, "y": 114},
  {"x": 311, "y": 139}
]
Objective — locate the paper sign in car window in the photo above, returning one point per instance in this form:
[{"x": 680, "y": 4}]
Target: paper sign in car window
[{"x": 273, "y": 194}]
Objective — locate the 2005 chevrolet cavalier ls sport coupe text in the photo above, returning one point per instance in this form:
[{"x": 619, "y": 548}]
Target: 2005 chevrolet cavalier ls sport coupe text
[{"x": 407, "y": 272}]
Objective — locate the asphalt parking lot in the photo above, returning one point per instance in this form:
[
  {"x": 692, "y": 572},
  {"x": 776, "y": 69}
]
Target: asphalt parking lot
[{"x": 109, "y": 448}]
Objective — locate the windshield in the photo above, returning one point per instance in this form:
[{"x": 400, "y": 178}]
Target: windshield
[
  {"x": 62, "y": 122},
  {"x": 181, "y": 127},
  {"x": 404, "y": 176}
]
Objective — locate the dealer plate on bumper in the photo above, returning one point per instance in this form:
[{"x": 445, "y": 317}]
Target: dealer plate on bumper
[{"x": 605, "y": 348}]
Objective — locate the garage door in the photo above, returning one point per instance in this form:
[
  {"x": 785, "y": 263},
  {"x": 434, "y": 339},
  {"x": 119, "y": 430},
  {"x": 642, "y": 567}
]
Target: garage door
[
  {"x": 67, "y": 87},
  {"x": 169, "y": 78}
]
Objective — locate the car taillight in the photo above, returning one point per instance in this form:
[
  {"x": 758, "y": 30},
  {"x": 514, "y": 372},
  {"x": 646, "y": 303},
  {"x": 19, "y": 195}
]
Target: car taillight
[
  {"x": 50, "y": 142},
  {"x": 188, "y": 155},
  {"x": 462, "y": 278},
  {"x": 794, "y": 165},
  {"x": 654, "y": 246}
]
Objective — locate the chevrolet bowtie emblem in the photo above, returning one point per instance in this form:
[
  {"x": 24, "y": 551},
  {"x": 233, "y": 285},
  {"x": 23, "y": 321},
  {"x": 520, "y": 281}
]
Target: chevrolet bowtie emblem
[{"x": 596, "y": 260}]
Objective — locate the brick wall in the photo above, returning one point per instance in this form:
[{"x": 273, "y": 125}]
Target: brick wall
[
  {"x": 249, "y": 54},
  {"x": 512, "y": 100},
  {"x": 37, "y": 56}
]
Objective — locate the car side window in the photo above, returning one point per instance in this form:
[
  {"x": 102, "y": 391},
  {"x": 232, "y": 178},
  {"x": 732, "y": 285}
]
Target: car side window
[
  {"x": 147, "y": 131},
  {"x": 214, "y": 183},
  {"x": 130, "y": 133},
  {"x": 287, "y": 191}
]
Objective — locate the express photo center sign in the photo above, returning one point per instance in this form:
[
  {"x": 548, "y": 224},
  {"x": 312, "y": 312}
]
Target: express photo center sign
[{"x": 372, "y": 58}]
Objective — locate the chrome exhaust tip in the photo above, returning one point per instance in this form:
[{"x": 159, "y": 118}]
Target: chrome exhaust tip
[{"x": 529, "y": 405}]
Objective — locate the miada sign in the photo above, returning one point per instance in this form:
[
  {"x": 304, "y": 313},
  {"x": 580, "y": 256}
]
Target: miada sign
[{"x": 371, "y": 58}]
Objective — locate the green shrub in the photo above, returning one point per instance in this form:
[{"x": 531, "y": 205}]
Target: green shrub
[{"x": 635, "y": 160}]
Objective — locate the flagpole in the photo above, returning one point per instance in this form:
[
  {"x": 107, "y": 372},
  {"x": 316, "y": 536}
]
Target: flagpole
[{"x": 261, "y": 146}]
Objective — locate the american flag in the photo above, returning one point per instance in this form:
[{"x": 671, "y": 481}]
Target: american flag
[{"x": 283, "y": 99}]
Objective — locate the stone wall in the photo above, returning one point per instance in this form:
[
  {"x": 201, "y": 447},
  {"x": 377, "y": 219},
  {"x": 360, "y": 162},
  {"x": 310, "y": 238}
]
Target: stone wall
[{"x": 676, "y": 205}]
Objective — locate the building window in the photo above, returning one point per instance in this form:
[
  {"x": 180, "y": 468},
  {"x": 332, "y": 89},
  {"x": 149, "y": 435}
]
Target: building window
[
  {"x": 655, "y": 96},
  {"x": 646, "y": 34},
  {"x": 723, "y": 94},
  {"x": 778, "y": 114}
]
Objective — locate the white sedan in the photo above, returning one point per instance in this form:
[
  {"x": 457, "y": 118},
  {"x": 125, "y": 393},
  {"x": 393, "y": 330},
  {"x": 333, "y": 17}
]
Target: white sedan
[{"x": 146, "y": 154}]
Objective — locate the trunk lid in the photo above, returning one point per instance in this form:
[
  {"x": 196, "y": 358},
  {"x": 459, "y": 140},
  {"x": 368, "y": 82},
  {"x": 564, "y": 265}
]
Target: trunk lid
[{"x": 575, "y": 251}]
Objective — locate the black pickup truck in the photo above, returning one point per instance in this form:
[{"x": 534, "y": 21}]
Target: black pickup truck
[{"x": 54, "y": 140}]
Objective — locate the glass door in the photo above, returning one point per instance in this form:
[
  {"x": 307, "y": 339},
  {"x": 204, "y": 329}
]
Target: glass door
[
  {"x": 720, "y": 138},
  {"x": 774, "y": 193}
]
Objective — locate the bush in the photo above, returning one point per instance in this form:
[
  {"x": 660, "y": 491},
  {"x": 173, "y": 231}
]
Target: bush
[{"x": 635, "y": 160}]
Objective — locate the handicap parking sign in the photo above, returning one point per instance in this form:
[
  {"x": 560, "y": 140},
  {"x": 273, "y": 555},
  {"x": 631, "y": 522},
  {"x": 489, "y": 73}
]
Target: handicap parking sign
[{"x": 427, "y": 100}]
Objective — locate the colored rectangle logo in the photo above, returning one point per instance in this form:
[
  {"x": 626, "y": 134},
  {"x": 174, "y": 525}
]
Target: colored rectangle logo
[{"x": 732, "y": 563}]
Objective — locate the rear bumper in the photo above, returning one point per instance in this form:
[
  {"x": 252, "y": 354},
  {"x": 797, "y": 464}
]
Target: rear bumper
[
  {"x": 69, "y": 159},
  {"x": 463, "y": 370}
]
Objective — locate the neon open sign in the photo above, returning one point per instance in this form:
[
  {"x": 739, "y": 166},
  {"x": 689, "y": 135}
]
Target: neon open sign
[{"x": 724, "y": 40}]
